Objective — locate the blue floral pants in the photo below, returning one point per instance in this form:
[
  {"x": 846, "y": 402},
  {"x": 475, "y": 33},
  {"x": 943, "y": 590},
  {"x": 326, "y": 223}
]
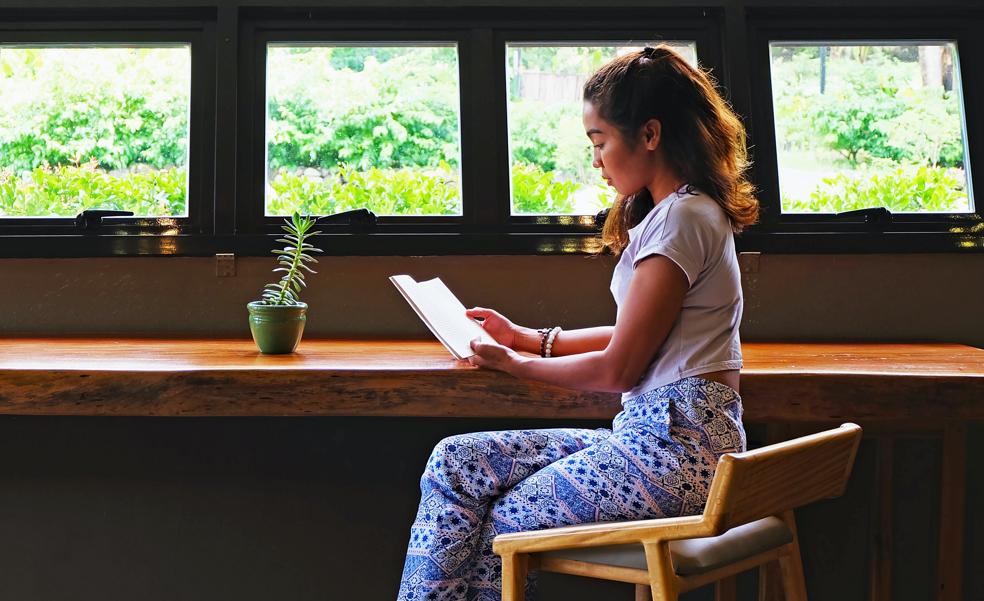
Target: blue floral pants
[{"x": 657, "y": 461}]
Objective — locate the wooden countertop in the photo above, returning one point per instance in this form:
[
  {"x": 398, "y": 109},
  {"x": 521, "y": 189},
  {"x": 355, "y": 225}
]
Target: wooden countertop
[{"x": 781, "y": 381}]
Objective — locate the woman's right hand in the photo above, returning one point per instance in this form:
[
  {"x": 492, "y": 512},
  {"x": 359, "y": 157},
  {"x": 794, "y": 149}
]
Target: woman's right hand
[{"x": 498, "y": 326}]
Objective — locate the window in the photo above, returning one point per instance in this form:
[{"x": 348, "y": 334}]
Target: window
[
  {"x": 374, "y": 126},
  {"x": 870, "y": 125},
  {"x": 94, "y": 127},
  {"x": 110, "y": 112},
  {"x": 864, "y": 132},
  {"x": 460, "y": 128},
  {"x": 550, "y": 158}
]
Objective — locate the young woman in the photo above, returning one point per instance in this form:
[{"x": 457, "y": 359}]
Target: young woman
[{"x": 675, "y": 153}]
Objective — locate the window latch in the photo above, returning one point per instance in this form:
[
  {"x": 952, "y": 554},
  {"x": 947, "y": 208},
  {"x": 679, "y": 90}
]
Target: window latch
[
  {"x": 876, "y": 218},
  {"x": 362, "y": 219},
  {"x": 91, "y": 219}
]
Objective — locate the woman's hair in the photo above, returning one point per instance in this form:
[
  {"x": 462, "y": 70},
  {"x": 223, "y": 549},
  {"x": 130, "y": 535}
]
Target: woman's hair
[{"x": 703, "y": 140}]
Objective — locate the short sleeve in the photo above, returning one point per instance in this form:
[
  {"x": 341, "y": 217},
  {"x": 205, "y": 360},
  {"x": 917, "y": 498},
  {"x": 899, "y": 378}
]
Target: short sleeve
[{"x": 685, "y": 237}]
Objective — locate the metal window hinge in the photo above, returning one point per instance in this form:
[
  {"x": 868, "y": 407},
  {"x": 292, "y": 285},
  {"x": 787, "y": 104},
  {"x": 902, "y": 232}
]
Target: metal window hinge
[
  {"x": 357, "y": 218},
  {"x": 876, "y": 218},
  {"x": 225, "y": 265}
]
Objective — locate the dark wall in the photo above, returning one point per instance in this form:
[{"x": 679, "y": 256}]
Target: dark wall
[{"x": 306, "y": 509}]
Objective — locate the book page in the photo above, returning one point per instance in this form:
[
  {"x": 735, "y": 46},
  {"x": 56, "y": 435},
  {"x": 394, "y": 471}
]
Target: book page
[{"x": 443, "y": 313}]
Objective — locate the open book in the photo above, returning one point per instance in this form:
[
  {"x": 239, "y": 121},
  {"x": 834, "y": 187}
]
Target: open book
[{"x": 443, "y": 313}]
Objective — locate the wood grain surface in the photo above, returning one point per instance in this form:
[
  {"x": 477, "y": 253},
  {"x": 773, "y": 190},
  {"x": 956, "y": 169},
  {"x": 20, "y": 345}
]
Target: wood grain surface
[{"x": 781, "y": 381}]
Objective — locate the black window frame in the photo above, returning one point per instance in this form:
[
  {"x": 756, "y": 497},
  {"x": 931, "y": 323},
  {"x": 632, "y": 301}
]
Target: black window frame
[
  {"x": 824, "y": 233},
  {"x": 486, "y": 224},
  {"x": 59, "y": 236},
  {"x": 732, "y": 40}
]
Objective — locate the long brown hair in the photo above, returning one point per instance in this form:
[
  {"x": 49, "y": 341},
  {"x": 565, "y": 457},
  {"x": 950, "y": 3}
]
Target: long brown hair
[{"x": 702, "y": 138}]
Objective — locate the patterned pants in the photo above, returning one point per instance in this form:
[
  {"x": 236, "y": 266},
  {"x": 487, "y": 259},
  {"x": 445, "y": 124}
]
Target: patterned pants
[{"x": 658, "y": 461}]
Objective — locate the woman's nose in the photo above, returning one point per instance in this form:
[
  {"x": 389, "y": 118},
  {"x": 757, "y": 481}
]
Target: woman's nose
[{"x": 596, "y": 161}]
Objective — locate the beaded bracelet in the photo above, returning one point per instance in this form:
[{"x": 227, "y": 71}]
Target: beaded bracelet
[
  {"x": 543, "y": 332},
  {"x": 550, "y": 340}
]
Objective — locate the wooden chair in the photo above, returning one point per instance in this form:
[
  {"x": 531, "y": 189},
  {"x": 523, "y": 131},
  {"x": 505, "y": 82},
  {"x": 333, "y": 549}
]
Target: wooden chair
[{"x": 747, "y": 522}]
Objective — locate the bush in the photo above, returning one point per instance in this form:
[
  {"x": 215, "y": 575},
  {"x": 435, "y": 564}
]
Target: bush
[
  {"x": 66, "y": 190},
  {"x": 551, "y": 137},
  {"x": 355, "y": 106},
  {"x": 370, "y": 136},
  {"x": 384, "y": 191},
  {"x": 408, "y": 192},
  {"x": 50, "y": 113},
  {"x": 910, "y": 189},
  {"x": 869, "y": 110},
  {"x": 854, "y": 124},
  {"x": 929, "y": 131},
  {"x": 536, "y": 192}
]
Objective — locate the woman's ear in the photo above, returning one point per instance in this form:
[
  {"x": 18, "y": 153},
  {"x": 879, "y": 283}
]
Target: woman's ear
[{"x": 651, "y": 131}]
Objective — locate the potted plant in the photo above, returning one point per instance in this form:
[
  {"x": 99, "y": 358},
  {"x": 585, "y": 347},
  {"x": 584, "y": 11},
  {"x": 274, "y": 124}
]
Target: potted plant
[{"x": 277, "y": 321}]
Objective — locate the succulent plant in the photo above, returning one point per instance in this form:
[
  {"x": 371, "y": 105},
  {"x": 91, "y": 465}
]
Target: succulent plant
[{"x": 292, "y": 261}]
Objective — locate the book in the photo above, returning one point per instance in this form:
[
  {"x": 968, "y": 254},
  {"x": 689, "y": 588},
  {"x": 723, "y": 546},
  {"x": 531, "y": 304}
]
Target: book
[{"x": 442, "y": 313}]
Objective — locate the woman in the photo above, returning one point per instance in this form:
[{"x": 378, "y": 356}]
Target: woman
[{"x": 675, "y": 153}]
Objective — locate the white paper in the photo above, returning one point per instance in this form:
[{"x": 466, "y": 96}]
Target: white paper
[{"x": 443, "y": 313}]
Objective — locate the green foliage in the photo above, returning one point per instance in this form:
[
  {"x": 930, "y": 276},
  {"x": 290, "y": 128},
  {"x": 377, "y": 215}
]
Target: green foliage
[
  {"x": 854, "y": 124},
  {"x": 535, "y": 192},
  {"x": 384, "y": 191},
  {"x": 373, "y": 135},
  {"x": 870, "y": 110},
  {"x": 128, "y": 107},
  {"x": 410, "y": 192},
  {"x": 910, "y": 189},
  {"x": 354, "y": 58},
  {"x": 66, "y": 190},
  {"x": 551, "y": 137},
  {"x": 929, "y": 131},
  {"x": 292, "y": 261},
  {"x": 385, "y": 108}
]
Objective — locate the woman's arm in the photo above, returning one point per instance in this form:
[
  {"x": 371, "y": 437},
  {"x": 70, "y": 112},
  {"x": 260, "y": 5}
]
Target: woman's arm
[
  {"x": 568, "y": 342},
  {"x": 651, "y": 307},
  {"x": 527, "y": 340}
]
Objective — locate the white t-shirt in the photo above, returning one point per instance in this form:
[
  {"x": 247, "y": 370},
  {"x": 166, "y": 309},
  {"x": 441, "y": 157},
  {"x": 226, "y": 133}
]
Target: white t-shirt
[{"x": 694, "y": 232}]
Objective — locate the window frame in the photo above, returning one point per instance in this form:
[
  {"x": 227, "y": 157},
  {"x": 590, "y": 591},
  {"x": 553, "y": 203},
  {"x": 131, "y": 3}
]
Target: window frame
[
  {"x": 908, "y": 232},
  {"x": 732, "y": 40},
  {"x": 486, "y": 224},
  {"x": 58, "y": 236},
  {"x": 252, "y": 218},
  {"x": 708, "y": 52}
]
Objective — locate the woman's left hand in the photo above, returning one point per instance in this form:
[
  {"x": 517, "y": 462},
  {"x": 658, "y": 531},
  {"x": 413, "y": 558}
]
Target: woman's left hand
[{"x": 493, "y": 356}]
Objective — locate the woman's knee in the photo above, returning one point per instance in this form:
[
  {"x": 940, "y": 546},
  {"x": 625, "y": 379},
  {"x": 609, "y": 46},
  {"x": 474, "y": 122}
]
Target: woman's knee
[{"x": 455, "y": 459}]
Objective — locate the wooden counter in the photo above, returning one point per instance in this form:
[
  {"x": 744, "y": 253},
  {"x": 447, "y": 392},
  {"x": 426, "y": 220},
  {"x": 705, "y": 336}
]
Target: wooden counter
[
  {"x": 781, "y": 381},
  {"x": 891, "y": 389}
]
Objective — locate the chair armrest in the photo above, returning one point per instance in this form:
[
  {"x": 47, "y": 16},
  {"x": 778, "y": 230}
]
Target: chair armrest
[{"x": 604, "y": 533}]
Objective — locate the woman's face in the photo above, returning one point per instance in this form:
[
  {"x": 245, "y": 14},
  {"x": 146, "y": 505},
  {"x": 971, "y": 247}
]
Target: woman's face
[{"x": 626, "y": 166}]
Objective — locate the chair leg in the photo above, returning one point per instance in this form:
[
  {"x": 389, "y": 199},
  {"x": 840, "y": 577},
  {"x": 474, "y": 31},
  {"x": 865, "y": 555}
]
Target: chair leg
[
  {"x": 643, "y": 593},
  {"x": 514, "y": 571},
  {"x": 770, "y": 582},
  {"x": 791, "y": 564},
  {"x": 726, "y": 589},
  {"x": 662, "y": 578}
]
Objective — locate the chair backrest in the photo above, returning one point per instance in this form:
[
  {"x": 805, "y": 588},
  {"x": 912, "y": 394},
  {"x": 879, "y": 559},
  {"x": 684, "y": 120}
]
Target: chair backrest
[{"x": 776, "y": 478}]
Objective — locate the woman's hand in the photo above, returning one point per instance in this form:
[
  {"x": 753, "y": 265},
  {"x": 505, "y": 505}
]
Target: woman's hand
[
  {"x": 498, "y": 327},
  {"x": 494, "y": 356}
]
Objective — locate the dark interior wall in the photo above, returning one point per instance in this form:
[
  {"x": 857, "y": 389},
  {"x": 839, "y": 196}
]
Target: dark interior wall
[
  {"x": 792, "y": 297},
  {"x": 313, "y": 509}
]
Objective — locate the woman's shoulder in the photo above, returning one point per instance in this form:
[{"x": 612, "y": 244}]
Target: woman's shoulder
[{"x": 695, "y": 209}]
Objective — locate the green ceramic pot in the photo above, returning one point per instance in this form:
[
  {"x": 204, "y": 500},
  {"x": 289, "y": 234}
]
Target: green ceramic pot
[{"x": 276, "y": 329}]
